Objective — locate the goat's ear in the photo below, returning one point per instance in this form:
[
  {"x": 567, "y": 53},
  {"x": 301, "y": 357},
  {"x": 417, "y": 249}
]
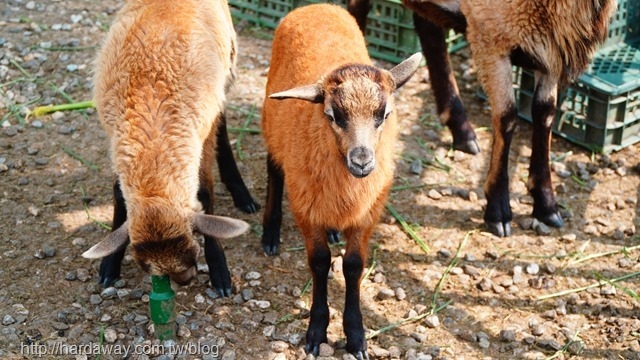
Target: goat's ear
[
  {"x": 402, "y": 72},
  {"x": 311, "y": 93},
  {"x": 112, "y": 243},
  {"x": 220, "y": 227}
]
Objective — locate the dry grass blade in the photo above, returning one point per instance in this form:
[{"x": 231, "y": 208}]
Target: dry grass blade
[
  {"x": 452, "y": 263},
  {"x": 374, "y": 261},
  {"x": 241, "y": 133},
  {"x": 580, "y": 289},
  {"x": 74, "y": 155},
  {"x": 41, "y": 110},
  {"x": 408, "y": 229},
  {"x": 624, "y": 250}
]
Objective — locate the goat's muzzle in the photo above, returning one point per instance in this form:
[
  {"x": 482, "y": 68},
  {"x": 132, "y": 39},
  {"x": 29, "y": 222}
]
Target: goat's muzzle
[
  {"x": 361, "y": 161},
  {"x": 184, "y": 278}
]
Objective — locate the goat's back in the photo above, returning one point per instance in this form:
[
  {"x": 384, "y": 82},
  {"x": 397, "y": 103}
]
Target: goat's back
[{"x": 309, "y": 42}]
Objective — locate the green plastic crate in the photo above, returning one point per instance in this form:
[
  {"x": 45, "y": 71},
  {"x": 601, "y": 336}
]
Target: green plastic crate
[
  {"x": 601, "y": 110},
  {"x": 390, "y": 33}
]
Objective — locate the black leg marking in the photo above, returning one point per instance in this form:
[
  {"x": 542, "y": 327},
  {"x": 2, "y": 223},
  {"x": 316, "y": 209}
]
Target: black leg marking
[
  {"x": 319, "y": 257},
  {"x": 353, "y": 266},
  {"x": 229, "y": 173},
  {"x": 111, "y": 264},
  {"x": 272, "y": 218},
  {"x": 498, "y": 215}
]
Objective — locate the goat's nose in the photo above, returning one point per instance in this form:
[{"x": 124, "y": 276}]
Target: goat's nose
[
  {"x": 361, "y": 157},
  {"x": 361, "y": 161}
]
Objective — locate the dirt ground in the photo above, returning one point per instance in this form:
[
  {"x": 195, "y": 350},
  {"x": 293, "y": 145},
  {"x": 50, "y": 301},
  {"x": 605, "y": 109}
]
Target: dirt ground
[{"x": 55, "y": 190}]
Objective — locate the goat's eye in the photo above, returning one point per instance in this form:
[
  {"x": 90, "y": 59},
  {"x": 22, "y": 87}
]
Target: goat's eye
[{"x": 387, "y": 115}]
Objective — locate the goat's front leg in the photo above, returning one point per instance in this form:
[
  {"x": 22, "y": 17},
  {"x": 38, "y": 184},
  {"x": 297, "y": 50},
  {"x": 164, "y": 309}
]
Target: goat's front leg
[
  {"x": 495, "y": 73},
  {"x": 111, "y": 264},
  {"x": 319, "y": 259},
  {"x": 543, "y": 109},
  {"x": 353, "y": 266},
  {"x": 229, "y": 173},
  {"x": 445, "y": 89},
  {"x": 359, "y": 9}
]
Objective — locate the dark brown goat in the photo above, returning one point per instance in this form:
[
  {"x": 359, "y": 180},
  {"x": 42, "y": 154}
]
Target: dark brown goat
[{"x": 555, "y": 38}]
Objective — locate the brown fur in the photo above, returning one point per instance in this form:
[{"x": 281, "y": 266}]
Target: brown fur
[
  {"x": 159, "y": 87},
  {"x": 298, "y": 142},
  {"x": 315, "y": 151}
]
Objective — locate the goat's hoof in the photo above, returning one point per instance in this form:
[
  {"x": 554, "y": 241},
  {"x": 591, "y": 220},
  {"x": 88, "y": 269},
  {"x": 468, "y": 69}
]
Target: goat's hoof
[
  {"x": 221, "y": 284},
  {"x": 250, "y": 207},
  {"x": 499, "y": 229},
  {"x": 223, "y": 291},
  {"x": 361, "y": 355},
  {"x": 553, "y": 220},
  {"x": 333, "y": 236},
  {"x": 270, "y": 250},
  {"x": 314, "y": 339},
  {"x": 107, "y": 281},
  {"x": 469, "y": 147}
]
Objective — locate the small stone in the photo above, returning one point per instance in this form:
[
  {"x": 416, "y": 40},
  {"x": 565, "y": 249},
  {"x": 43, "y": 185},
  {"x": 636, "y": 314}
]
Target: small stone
[
  {"x": 79, "y": 241},
  {"x": 59, "y": 325},
  {"x": 70, "y": 276},
  {"x": 434, "y": 194},
  {"x": 420, "y": 337},
  {"x": 379, "y": 352},
  {"x": 72, "y": 67},
  {"x": 49, "y": 251},
  {"x": 65, "y": 130},
  {"x": 30, "y": 5},
  {"x": 8, "y": 320},
  {"x": 123, "y": 294},
  {"x": 473, "y": 196},
  {"x": 41, "y": 161},
  {"x": 247, "y": 294},
  {"x": 526, "y": 223},
  {"x": 268, "y": 331},
  {"x": 11, "y": 131},
  {"x": 37, "y": 124},
  {"x": 549, "y": 268},
  {"x": 252, "y": 275},
  {"x": 444, "y": 254},
  {"x": 110, "y": 335},
  {"x": 23, "y": 181},
  {"x": 471, "y": 270},
  {"x": 542, "y": 229},
  {"x": 199, "y": 298},
  {"x": 532, "y": 269},
  {"x": 109, "y": 293},
  {"x": 295, "y": 339},
  {"x": 625, "y": 263},
  {"x": 395, "y": 352},
  {"x": 83, "y": 275},
  {"x": 378, "y": 278},
  {"x": 492, "y": 254},
  {"x": 400, "y": 294},
  {"x": 608, "y": 290},
  {"x": 622, "y": 171},
  {"x": 212, "y": 293},
  {"x": 569, "y": 237},
  {"x": 75, "y": 18},
  {"x": 416, "y": 167},
  {"x": 538, "y": 330},
  {"x": 278, "y": 346},
  {"x": 39, "y": 254},
  {"x": 575, "y": 347},
  {"x": 136, "y": 294},
  {"x": 120, "y": 283},
  {"x": 432, "y": 321},
  {"x": 507, "y": 335},
  {"x": 95, "y": 299},
  {"x": 550, "y": 314},
  {"x": 484, "y": 343},
  {"x": 325, "y": 350},
  {"x": 485, "y": 284},
  {"x": 385, "y": 293}
]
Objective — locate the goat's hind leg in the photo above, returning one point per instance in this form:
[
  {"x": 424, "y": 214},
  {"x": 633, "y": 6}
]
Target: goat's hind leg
[
  {"x": 359, "y": 9},
  {"x": 219, "y": 274},
  {"x": 111, "y": 264},
  {"x": 229, "y": 173},
  {"x": 496, "y": 79},
  {"x": 272, "y": 217},
  {"x": 543, "y": 109},
  {"x": 445, "y": 89}
]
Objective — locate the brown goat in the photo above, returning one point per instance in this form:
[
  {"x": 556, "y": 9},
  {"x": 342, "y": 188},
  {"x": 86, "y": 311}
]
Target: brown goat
[
  {"x": 332, "y": 146},
  {"x": 555, "y": 38},
  {"x": 160, "y": 84}
]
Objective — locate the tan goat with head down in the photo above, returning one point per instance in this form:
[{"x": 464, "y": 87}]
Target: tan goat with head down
[
  {"x": 160, "y": 84},
  {"x": 333, "y": 147}
]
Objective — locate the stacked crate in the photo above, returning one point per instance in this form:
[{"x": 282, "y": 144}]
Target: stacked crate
[
  {"x": 390, "y": 35},
  {"x": 601, "y": 110}
]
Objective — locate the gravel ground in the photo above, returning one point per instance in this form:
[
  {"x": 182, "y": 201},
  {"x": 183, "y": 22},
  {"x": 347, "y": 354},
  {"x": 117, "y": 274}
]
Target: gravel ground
[{"x": 55, "y": 193}]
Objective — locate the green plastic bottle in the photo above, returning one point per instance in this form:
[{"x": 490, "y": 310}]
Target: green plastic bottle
[{"x": 161, "y": 306}]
